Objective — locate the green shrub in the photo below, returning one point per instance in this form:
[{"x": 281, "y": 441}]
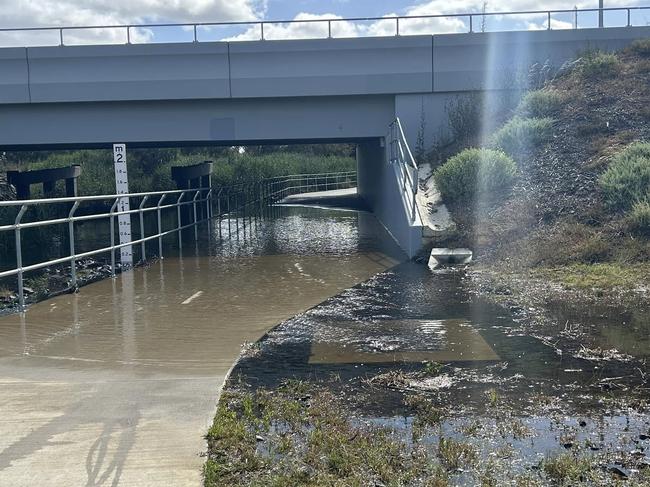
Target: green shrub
[
  {"x": 599, "y": 64},
  {"x": 540, "y": 103},
  {"x": 641, "y": 47},
  {"x": 639, "y": 218},
  {"x": 520, "y": 135},
  {"x": 627, "y": 179},
  {"x": 475, "y": 173}
]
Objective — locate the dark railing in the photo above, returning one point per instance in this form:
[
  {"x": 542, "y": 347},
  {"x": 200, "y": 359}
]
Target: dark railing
[{"x": 328, "y": 23}]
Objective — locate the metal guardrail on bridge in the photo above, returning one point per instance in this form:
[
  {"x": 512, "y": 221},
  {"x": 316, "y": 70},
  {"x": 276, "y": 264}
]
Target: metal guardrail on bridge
[
  {"x": 399, "y": 24},
  {"x": 243, "y": 201}
]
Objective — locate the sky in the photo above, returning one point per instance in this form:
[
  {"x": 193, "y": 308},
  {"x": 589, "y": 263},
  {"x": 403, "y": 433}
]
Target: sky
[{"x": 37, "y": 13}]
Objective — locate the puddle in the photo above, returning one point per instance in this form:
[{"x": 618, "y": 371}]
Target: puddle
[{"x": 408, "y": 332}]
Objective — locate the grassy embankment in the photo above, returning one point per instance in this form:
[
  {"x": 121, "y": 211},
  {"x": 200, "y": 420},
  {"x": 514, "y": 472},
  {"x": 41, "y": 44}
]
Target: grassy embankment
[{"x": 562, "y": 190}]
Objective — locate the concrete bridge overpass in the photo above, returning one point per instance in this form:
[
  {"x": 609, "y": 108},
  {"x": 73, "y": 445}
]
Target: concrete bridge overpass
[{"x": 283, "y": 91}]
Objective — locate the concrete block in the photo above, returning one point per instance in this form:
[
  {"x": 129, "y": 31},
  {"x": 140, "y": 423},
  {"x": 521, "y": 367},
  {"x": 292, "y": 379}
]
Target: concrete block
[{"x": 442, "y": 256}]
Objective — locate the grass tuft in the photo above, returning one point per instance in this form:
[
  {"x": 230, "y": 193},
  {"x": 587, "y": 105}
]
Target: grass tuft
[
  {"x": 641, "y": 47},
  {"x": 597, "y": 276},
  {"x": 521, "y": 135},
  {"x": 475, "y": 173},
  {"x": 627, "y": 179},
  {"x": 599, "y": 65},
  {"x": 639, "y": 218},
  {"x": 456, "y": 454},
  {"x": 567, "y": 468},
  {"x": 541, "y": 103}
]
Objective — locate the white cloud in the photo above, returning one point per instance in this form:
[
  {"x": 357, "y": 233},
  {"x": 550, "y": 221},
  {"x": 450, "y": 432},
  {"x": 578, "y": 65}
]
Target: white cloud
[
  {"x": 37, "y": 13},
  {"x": 555, "y": 25}
]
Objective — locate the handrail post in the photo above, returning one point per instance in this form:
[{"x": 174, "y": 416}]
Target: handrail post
[
  {"x": 196, "y": 230},
  {"x": 329, "y": 28},
  {"x": 219, "y": 210},
  {"x": 61, "y": 37},
  {"x": 128, "y": 34},
  {"x": 19, "y": 258},
  {"x": 158, "y": 210},
  {"x": 179, "y": 219},
  {"x": 112, "y": 218},
  {"x": 471, "y": 23},
  {"x": 601, "y": 20},
  {"x": 629, "y": 18},
  {"x": 143, "y": 244},
  {"x": 228, "y": 213},
  {"x": 73, "y": 268},
  {"x": 549, "y": 19},
  {"x": 196, "y": 39},
  {"x": 208, "y": 205},
  {"x": 261, "y": 31},
  {"x": 208, "y": 212},
  {"x": 397, "y": 26}
]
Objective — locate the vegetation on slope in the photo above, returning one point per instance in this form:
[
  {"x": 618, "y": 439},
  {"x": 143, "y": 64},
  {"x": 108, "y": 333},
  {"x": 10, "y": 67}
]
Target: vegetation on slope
[{"x": 582, "y": 192}]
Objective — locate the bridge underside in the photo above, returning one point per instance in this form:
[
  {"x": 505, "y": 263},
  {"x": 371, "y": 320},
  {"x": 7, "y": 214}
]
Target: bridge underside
[{"x": 197, "y": 122}]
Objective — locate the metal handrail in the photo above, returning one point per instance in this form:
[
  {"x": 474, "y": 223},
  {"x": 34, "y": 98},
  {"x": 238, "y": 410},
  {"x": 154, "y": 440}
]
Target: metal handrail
[
  {"x": 73, "y": 256},
  {"x": 262, "y": 192},
  {"x": 400, "y": 154},
  {"x": 261, "y": 23}
]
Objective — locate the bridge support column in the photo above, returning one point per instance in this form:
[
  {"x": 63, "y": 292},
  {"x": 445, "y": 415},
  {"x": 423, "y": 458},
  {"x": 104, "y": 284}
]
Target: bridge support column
[
  {"x": 380, "y": 188},
  {"x": 22, "y": 180}
]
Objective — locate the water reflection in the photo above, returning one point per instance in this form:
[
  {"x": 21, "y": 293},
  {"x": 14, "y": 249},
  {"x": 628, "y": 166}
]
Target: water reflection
[{"x": 408, "y": 315}]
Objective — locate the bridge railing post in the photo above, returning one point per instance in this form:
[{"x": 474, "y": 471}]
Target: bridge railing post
[
  {"x": 195, "y": 222},
  {"x": 73, "y": 267},
  {"x": 112, "y": 230},
  {"x": 143, "y": 250},
  {"x": 179, "y": 221},
  {"x": 159, "y": 211},
  {"x": 19, "y": 258}
]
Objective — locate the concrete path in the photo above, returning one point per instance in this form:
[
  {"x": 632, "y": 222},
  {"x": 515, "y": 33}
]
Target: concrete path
[
  {"x": 117, "y": 385},
  {"x": 332, "y": 198}
]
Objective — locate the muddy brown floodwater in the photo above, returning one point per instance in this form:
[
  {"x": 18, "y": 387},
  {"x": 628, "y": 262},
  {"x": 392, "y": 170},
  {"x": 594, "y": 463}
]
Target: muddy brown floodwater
[
  {"x": 516, "y": 399},
  {"x": 118, "y": 383}
]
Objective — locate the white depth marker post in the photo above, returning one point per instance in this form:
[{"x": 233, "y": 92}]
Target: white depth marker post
[{"x": 122, "y": 187}]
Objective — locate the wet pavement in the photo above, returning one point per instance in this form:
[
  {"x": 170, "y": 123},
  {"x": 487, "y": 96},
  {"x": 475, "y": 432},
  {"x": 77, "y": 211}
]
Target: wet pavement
[{"x": 117, "y": 384}]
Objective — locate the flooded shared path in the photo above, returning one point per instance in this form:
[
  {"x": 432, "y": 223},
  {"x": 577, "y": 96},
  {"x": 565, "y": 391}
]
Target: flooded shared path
[{"x": 117, "y": 384}]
